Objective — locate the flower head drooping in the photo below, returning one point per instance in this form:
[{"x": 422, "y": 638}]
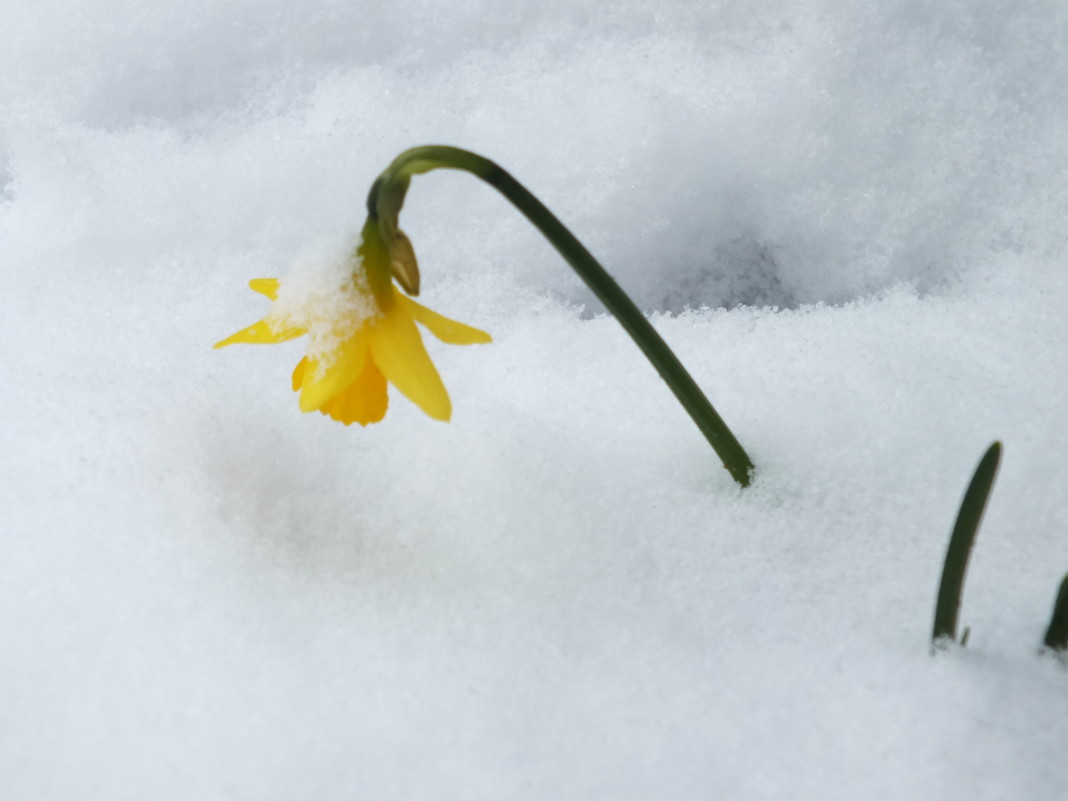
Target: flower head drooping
[{"x": 362, "y": 335}]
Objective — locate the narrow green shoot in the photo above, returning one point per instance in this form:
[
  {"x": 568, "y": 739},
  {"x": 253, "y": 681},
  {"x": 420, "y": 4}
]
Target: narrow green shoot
[
  {"x": 384, "y": 204},
  {"x": 1057, "y": 633},
  {"x": 947, "y": 607}
]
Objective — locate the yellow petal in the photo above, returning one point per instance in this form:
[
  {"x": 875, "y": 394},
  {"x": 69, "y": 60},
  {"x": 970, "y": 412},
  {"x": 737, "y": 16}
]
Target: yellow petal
[
  {"x": 398, "y": 351},
  {"x": 319, "y": 384},
  {"x": 363, "y": 401},
  {"x": 298, "y": 373},
  {"x": 265, "y": 286},
  {"x": 261, "y": 333},
  {"x": 443, "y": 328}
]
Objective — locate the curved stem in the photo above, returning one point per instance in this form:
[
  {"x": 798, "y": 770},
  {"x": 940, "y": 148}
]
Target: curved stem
[{"x": 425, "y": 159}]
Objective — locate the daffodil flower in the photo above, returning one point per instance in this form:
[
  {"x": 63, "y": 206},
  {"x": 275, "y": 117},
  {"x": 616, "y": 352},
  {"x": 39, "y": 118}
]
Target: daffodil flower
[
  {"x": 360, "y": 338},
  {"x": 362, "y": 333}
]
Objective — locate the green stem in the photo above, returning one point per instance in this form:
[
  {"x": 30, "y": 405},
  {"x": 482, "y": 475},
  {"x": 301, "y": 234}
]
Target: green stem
[
  {"x": 1057, "y": 633},
  {"x": 425, "y": 159},
  {"x": 960, "y": 546}
]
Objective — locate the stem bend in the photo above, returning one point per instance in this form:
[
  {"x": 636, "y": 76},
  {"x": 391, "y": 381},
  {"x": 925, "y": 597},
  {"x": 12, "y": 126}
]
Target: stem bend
[{"x": 387, "y": 194}]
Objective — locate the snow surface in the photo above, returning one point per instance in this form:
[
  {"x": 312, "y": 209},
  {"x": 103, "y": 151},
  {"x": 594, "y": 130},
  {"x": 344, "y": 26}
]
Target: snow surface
[{"x": 848, "y": 218}]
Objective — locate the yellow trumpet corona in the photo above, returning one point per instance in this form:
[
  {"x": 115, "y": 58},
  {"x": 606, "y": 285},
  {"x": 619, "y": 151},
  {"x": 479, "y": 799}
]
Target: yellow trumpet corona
[{"x": 355, "y": 348}]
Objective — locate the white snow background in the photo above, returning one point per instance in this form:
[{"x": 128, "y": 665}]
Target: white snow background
[{"x": 849, "y": 219}]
